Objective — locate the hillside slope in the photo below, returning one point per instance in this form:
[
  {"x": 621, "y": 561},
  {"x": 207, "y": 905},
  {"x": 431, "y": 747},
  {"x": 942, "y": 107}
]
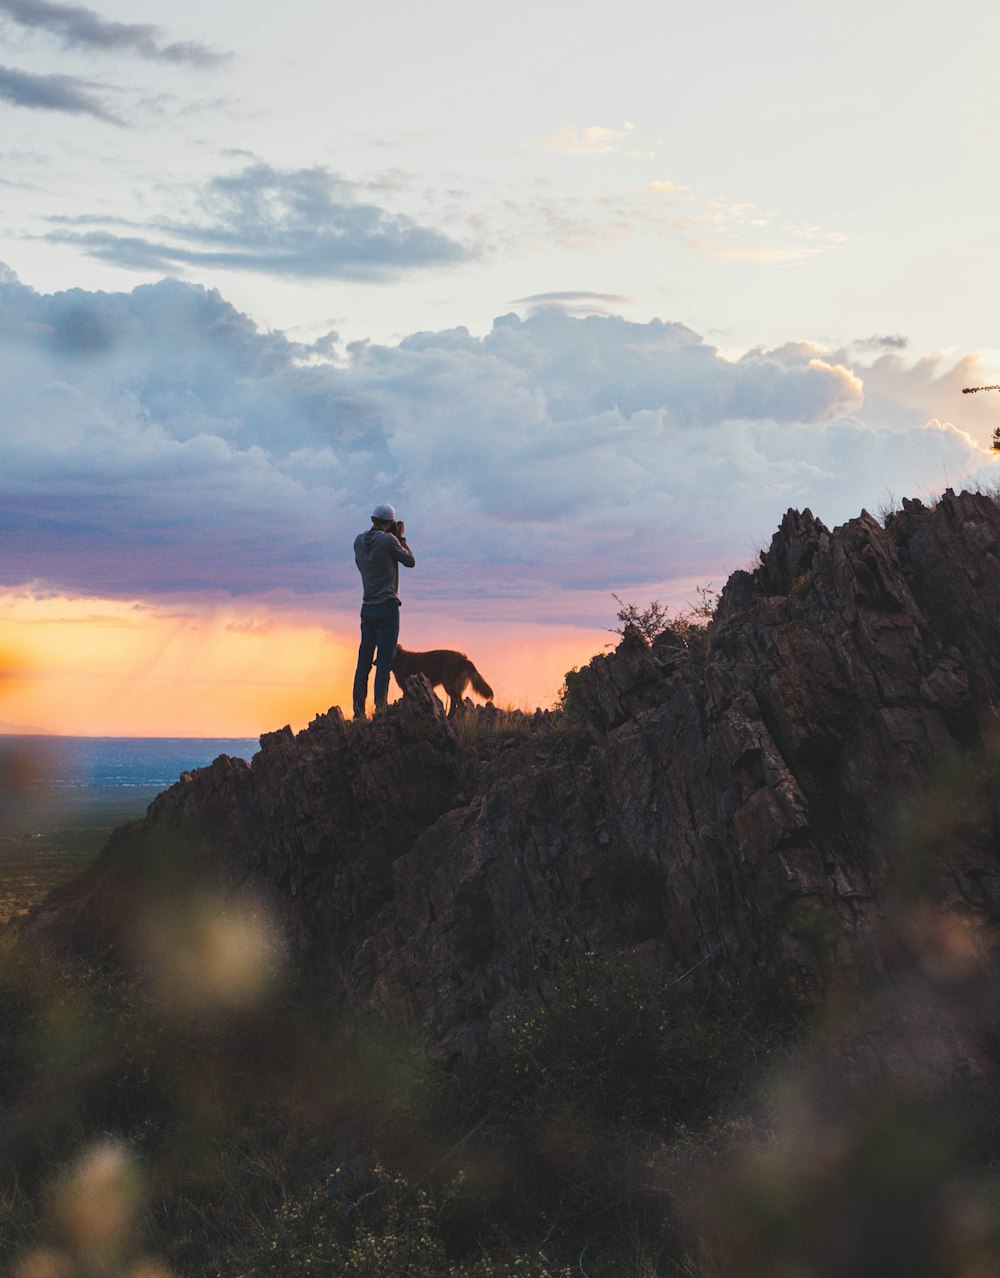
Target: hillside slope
[{"x": 801, "y": 800}]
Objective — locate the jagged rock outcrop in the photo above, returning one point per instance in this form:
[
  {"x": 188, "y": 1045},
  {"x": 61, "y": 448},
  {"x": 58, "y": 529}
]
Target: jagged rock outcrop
[{"x": 800, "y": 797}]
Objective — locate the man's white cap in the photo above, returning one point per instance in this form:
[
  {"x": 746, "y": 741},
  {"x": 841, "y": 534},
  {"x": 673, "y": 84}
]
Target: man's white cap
[{"x": 385, "y": 511}]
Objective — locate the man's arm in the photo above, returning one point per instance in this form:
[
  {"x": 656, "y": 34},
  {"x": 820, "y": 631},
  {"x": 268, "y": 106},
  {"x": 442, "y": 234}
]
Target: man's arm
[{"x": 404, "y": 555}]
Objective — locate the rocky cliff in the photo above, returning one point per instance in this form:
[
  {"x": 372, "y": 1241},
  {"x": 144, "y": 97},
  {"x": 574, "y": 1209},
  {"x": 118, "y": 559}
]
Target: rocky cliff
[{"x": 801, "y": 798}]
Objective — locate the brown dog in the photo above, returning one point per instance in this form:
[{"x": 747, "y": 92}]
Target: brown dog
[{"x": 442, "y": 668}]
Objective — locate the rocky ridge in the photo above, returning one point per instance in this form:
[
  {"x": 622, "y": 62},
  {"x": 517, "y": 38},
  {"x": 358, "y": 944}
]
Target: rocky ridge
[{"x": 799, "y": 800}]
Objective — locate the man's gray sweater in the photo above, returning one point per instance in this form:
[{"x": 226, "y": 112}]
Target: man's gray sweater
[{"x": 378, "y": 555}]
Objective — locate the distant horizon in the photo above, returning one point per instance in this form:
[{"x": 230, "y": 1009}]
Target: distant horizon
[{"x": 14, "y": 730}]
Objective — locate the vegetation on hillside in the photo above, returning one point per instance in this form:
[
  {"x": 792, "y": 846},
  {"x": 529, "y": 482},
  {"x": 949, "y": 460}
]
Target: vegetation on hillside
[
  {"x": 269, "y": 1136},
  {"x": 623, "y": 1124},
  {"x": 656, "y": 618}
]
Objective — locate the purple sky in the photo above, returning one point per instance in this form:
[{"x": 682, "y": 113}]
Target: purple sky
[{"x": 157, "y": 444}]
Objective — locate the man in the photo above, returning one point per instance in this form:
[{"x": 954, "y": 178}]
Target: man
[{"x": 378, "y": 554}]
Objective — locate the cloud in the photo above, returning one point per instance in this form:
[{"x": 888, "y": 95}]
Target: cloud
[
  {"x": 882, "y": 342},
  {"x": 720, "y": 229},
  {"x": 52, "y": 93},
  {"x": 573, "y": 302},
  {"x": 593, "y": 140},
  {"x": 286, "y": 222},
  {"x": 766, "y": 255},
  {"x": 158, "y": 445},
  {"x": 664, "y": 188},
  {"x": 739, "y": 231},
  {"x": 81, "y": 27}
]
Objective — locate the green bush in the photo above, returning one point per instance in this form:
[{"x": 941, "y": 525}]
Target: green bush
[
  {"x": 620, "y": 1044},
  {"x": 569, "y": 699},
  {"x": 582, "y": 1092}
]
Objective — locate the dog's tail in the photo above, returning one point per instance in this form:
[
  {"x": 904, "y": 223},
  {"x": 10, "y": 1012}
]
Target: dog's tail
[{"x": 479, "y": 683}]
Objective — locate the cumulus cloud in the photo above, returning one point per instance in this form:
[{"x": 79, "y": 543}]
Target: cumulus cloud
[
  {"x": 898, "y": 390},
  {"x": 52, "y": 93},
  {"x": 82, "y": 27},
  {"x": 305, "y": 223},
  {"x": 157, "y": 444}
]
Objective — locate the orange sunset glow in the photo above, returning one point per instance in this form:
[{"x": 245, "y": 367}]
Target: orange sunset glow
[{"x": 98, "y": 667}]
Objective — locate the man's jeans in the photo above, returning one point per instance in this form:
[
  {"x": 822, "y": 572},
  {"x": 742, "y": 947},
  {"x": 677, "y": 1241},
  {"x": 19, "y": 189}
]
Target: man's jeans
[{"x": 379, "y": 631}]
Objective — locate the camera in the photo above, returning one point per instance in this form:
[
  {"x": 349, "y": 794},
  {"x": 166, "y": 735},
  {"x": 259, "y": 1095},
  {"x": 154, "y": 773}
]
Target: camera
[{"x": 397, "y": 528}]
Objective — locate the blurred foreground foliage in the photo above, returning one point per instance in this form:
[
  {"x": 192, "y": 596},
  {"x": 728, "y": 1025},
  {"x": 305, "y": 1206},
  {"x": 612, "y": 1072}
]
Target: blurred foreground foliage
[
  {"x": 221, "y": 1119},
  {"x": 142, "y": 1136},
  {"x": 620, "y": 1124}
]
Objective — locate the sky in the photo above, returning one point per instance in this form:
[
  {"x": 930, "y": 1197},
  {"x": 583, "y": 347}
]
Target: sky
[{"x": 592, "y": 294}]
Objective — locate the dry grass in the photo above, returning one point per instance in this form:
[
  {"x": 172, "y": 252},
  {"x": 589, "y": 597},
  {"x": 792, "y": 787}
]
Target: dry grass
[{"x": 490, "y": 725}]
